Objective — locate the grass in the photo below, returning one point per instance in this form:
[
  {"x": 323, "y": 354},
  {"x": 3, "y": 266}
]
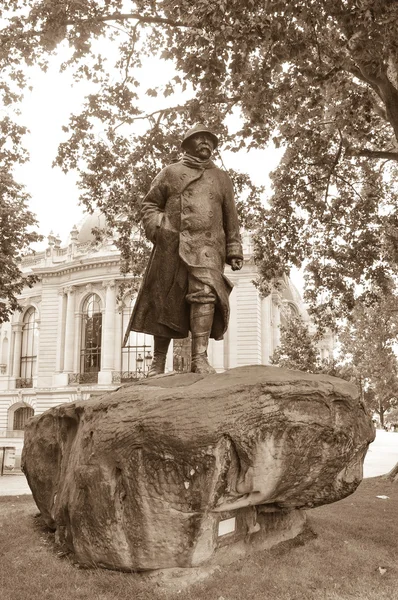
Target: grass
[{"x": 339, "y": 560}]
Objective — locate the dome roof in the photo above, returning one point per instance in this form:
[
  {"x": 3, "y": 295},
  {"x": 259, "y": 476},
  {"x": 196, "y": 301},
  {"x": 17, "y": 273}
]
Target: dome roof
[{"x": 87, "y": 224}]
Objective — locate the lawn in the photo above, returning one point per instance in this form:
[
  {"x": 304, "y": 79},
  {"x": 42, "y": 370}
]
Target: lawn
[{"x": 349, "y": 553}]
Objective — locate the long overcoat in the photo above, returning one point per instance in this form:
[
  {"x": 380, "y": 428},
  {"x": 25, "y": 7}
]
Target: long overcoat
[{"x": 190, "y": 216}]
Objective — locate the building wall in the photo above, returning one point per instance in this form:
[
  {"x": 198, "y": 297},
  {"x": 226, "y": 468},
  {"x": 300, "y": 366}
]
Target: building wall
[
  {"x": 248, "y": 320},
  {"x": 48, "y": 323}
]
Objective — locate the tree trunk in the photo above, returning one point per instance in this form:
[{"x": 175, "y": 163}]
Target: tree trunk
[
  {"x": 381, "y": 412},
  {"x": 393, "y": 474}
]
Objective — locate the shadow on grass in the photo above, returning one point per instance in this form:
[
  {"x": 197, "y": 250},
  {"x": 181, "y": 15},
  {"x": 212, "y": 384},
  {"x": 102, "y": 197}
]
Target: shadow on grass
[{"x": 348, "y": 552}]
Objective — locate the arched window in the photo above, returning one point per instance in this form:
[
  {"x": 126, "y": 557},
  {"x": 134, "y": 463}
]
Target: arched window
[
  {"x": 90, "y": 353},
  {"x": 137, "y": 354},
  {"x": 29, "y": 348},
  {"x": 21, "y": 415},
  {"x": 289, "y": 311},
  {"x": 4, "y": 357}
]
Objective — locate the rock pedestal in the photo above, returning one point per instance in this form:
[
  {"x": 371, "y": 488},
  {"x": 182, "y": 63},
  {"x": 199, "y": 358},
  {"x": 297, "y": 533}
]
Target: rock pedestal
[{"x": 185, "y": 470}]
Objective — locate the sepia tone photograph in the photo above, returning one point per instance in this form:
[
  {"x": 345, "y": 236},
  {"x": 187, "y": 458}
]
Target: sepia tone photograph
[{"x": 199, "y": 299}]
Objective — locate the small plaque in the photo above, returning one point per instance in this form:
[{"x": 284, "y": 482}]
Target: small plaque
[{"x": 226, "y": 526}]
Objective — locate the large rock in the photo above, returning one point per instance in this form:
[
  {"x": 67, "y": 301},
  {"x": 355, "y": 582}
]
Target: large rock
[{"x": 182, "y": 470}]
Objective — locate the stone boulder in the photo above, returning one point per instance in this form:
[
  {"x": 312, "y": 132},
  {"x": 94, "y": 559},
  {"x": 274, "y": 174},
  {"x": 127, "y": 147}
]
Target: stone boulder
[{"x": 185, "y": 470}]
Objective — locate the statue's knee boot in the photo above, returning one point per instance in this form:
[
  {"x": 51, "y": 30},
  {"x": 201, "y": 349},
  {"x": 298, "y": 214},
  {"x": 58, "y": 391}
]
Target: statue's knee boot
[
  {"x": 201, "y": 322},
  {"x": 161, "y": 345}
]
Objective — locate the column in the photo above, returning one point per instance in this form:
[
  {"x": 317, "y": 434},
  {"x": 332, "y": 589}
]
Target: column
[
  {"x": 218, "y": 356},
  {"x": 69, "y": 331},
  {"x": 108, "y": 338},
  {"x": 16, "y": 363},
  {"x": 117, "y": 353},
  {"x": 275, "y": 320},
  {"x": 210, "y": 350},
  {"x": 266, "y": 330},
  {"x": 36, "y": 369},
  {"x": 77, "y": 341},
  {"x": 231, "y": 342},
  {"x": 169, "y": 358},
  {"x": 59, "y": 358}
]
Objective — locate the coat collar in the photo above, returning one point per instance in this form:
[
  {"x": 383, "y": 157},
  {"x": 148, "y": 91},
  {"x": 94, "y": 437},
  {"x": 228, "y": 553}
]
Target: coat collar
[{"x": 195, "y": 163}]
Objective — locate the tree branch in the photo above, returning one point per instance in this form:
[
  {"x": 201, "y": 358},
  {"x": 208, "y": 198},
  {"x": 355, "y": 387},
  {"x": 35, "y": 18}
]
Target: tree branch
[
  {"x": 177, "y": 108},
  {"x": 130, "y": 54},
  {"x": 154, "y": 19},
  {"x": 364, "y": 152},
  {"x": 127, "y": 16},
  {"x": 349, "y": 184}
]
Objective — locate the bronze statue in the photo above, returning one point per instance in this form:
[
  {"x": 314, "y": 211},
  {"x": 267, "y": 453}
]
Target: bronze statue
[{"x": 189, "y": 215}]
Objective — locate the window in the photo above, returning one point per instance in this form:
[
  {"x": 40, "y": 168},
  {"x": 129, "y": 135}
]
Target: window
[
  {"x": 21, "y": 415},
  {"x": 4, "y": 357},
  {"x": 182, "y": 355},
  {"x": 137, "y": 354},
  {"x": 29, "y": 348},
  {"x": 289, "y": 311},
  {"x": 90, "y": 353}
]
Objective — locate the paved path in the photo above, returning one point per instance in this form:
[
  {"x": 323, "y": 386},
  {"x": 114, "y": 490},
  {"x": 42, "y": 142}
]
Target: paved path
[
  {"x": 382, "y": 455},
  {"x": 14, "y": 485},
  {"x": 380, "y": 459}
]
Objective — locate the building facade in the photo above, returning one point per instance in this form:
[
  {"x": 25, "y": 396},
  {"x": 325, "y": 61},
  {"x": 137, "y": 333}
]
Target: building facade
[{"x": 66, "y": 343}]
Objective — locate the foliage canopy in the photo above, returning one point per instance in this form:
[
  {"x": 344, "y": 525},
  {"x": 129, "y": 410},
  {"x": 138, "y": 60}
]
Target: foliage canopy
[
  {"x": 366, "y": 354},
  {"x": 316, "y": 77},
  {"x": 298, "y": 348},
  {"x": 17, "y": 222},
  {"x": 368, "y": 347}
]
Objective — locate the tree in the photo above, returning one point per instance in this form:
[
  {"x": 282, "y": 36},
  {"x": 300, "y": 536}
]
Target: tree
[
  {"x": 392, "y": 416},
  {"x": 367, "y": 344},
  {"x": 366, "y": 358},
  {"x": 15, "y": 238},
  {"x": 16, "y": 221},
  {"x": 317, "y": 77},
  {"x": 298, "y": 349}
]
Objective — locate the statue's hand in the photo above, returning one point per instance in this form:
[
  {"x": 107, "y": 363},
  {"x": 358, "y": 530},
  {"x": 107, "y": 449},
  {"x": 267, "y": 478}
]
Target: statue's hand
[{"x": 236, "y": 264}]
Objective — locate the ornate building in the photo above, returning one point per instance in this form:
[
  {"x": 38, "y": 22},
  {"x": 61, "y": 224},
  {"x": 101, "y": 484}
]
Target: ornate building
[{"x": 66, "y": 343}]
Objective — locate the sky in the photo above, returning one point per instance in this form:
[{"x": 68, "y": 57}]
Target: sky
[{"x": 55, "y": 195}]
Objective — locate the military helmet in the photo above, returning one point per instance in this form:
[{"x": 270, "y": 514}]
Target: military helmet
[{"x": 199, "y": 128}]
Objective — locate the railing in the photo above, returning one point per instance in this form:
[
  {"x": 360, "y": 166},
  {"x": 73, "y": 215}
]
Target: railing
[
  {"x": 61, "y": 251},
  {"x": 137, "y": 360},
  {"x": 33, "y": 259},
  {"x": 82, "y": 378},
  {"x": 12, "y": 433},
  {"x": 23, "y": 383},
  {"x": 83, "y": 247},
  {"x": 126, "y": 376}
]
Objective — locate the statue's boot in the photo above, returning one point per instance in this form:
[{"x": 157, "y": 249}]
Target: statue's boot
[
  {"x": 159, "y": 356},
  {"x": 201, "y": 321}
]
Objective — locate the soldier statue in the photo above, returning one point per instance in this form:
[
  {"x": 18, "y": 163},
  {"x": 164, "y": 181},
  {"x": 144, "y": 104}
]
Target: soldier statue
[{"x": 189, "y": 215}]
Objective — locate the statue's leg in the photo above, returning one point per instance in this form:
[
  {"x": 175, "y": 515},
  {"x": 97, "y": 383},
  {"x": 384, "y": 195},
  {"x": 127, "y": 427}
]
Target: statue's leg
[
  {"x": 202, "y": 299},
  {"x": 201, "y": 321},
  {"x": 161, "y": 345}
]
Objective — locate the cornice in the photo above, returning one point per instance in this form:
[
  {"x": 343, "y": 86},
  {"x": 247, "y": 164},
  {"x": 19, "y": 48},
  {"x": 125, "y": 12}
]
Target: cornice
[{"x": 81, "y": 265}]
